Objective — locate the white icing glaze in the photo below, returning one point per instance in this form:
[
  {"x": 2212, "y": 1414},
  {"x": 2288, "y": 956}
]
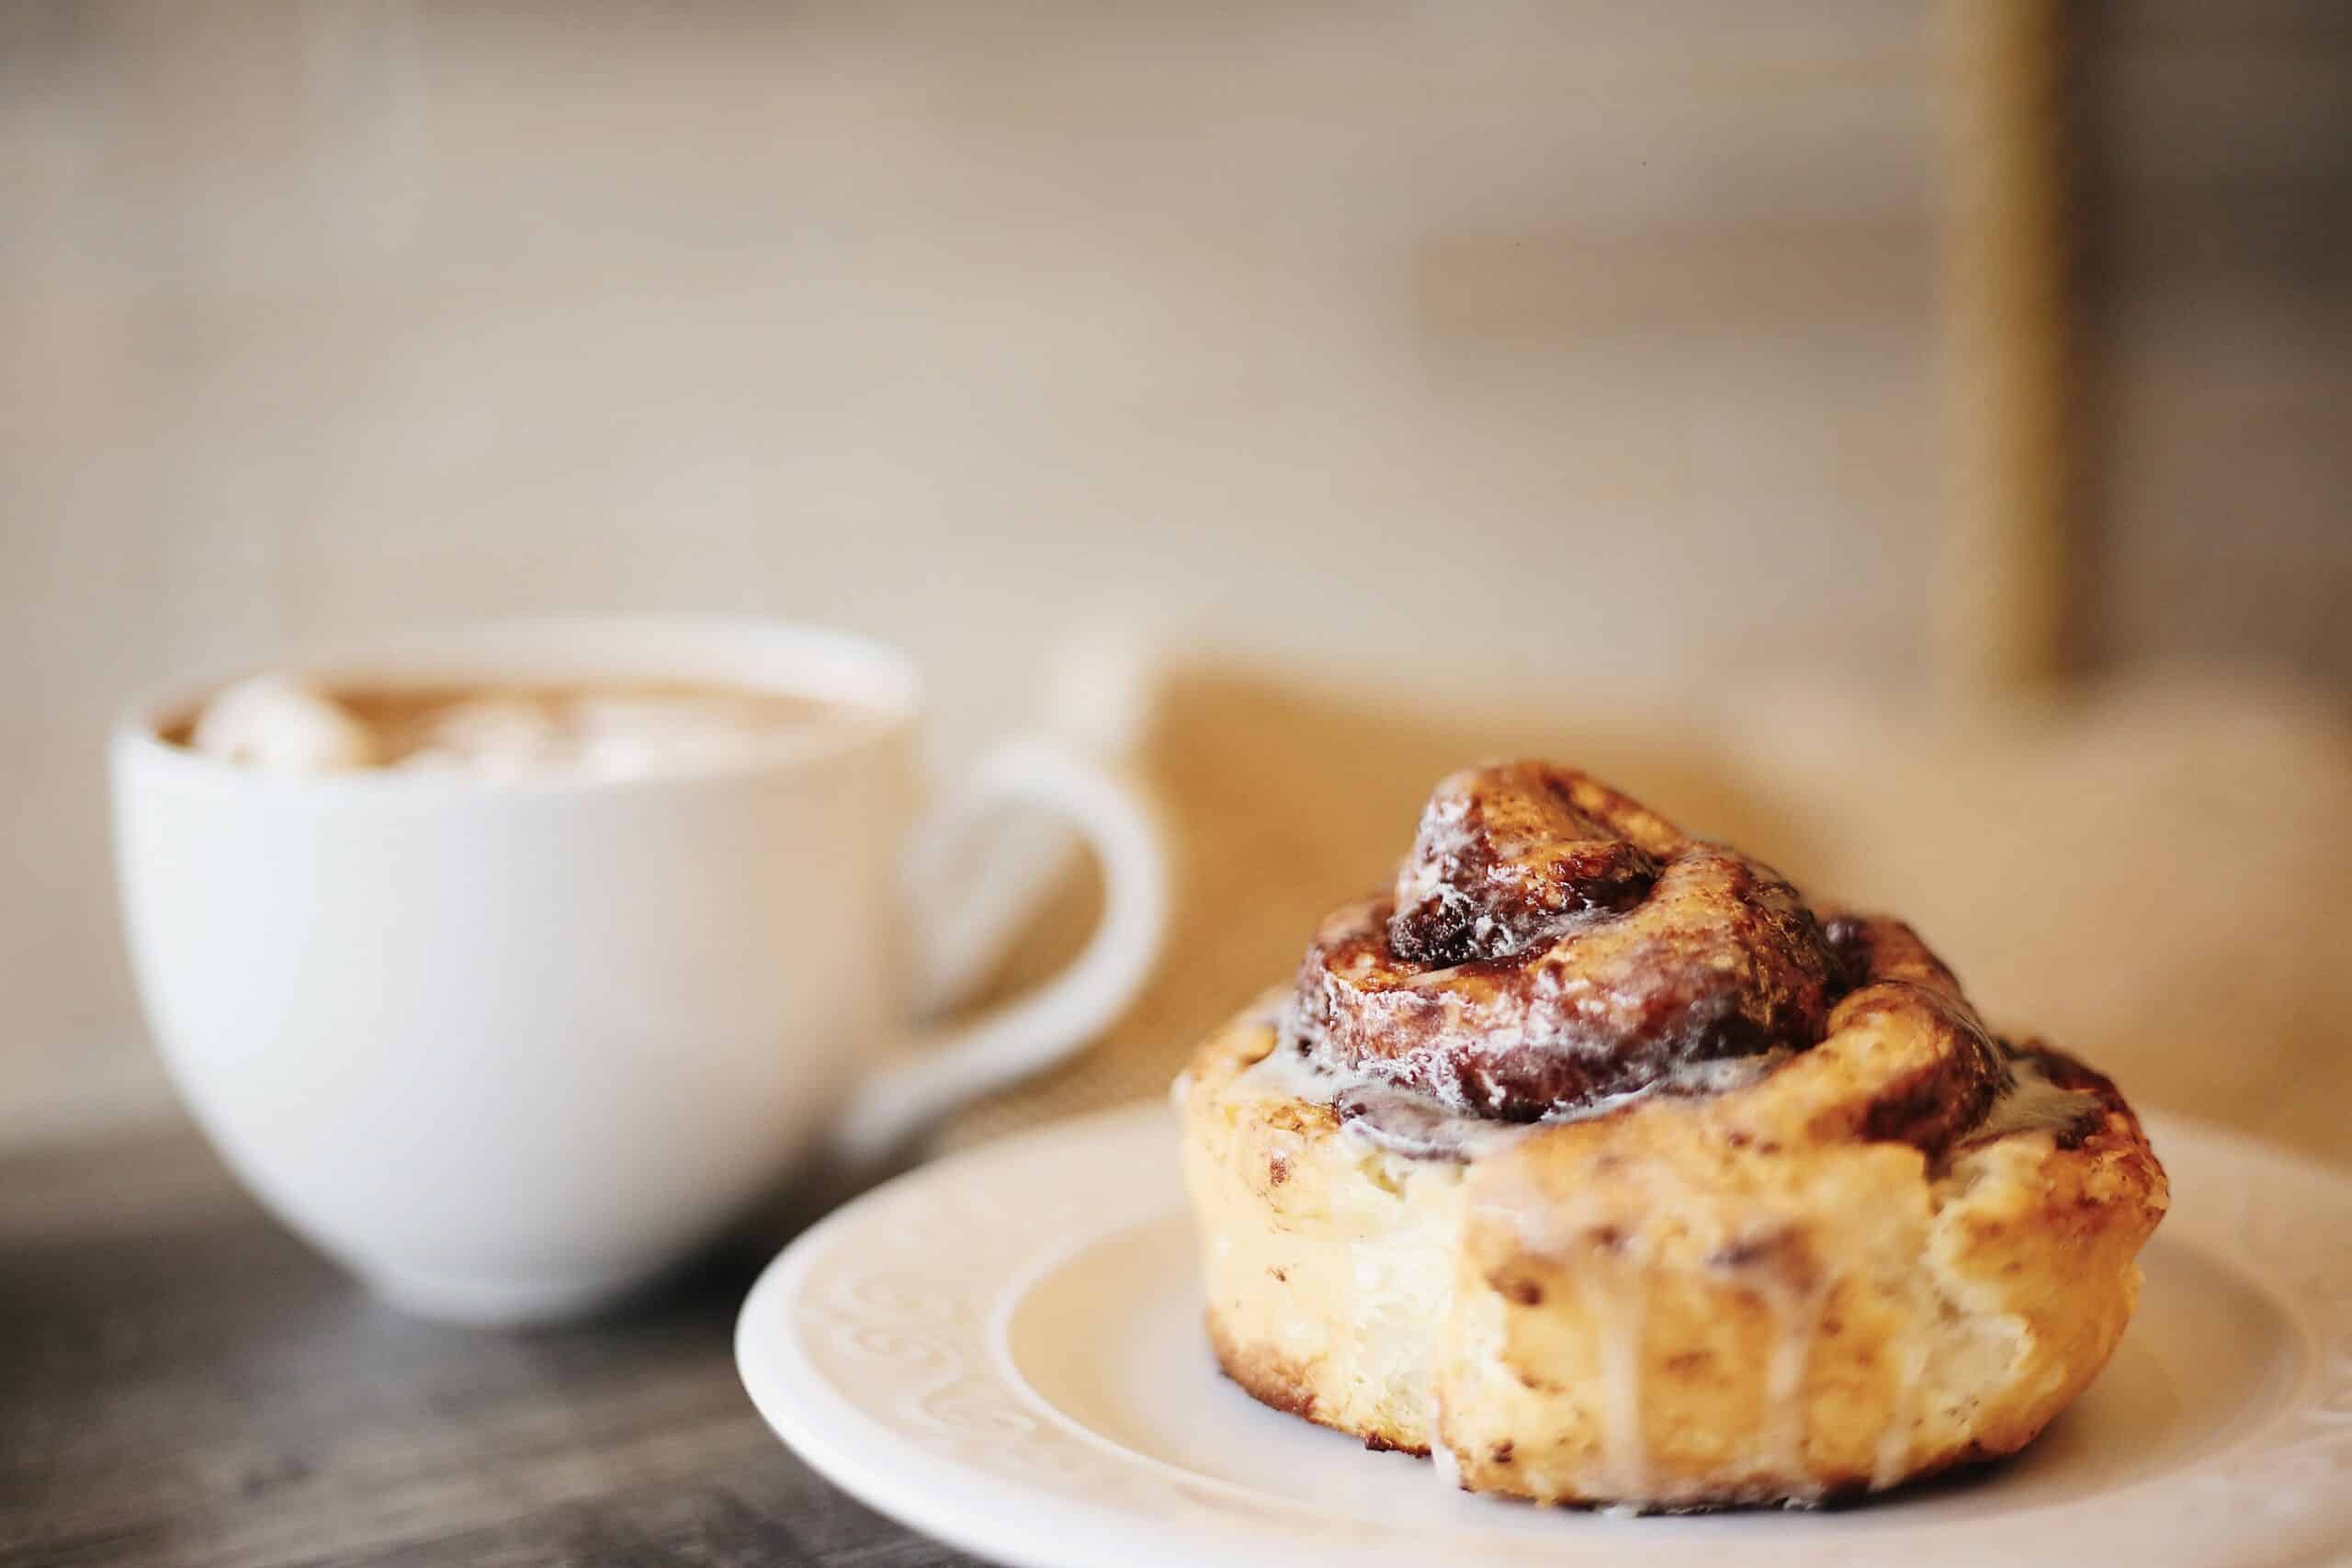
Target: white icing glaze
[
  {"x": 1893, "y": 1461},
  {"x": 1447, "y": 1464},
  {"x": 1418, "y": 1125},
  {"x": 1618, "y": 1309},
  {"x": 2033, "y": 1104},
  {"x": 1796, "y": 1311}
]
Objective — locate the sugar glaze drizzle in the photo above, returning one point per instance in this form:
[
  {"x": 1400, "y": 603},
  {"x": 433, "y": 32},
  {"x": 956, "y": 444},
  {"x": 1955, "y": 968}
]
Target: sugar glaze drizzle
[
  {"x": 1406, "y": 1122},
  {"x": 1414, "y": 1124}
]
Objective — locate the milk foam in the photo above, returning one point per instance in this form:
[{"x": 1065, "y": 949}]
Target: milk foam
[{"x": 277, "y": 724}]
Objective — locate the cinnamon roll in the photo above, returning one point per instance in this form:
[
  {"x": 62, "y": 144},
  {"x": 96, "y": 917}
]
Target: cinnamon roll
[{"x": 1595, "y": 1163}]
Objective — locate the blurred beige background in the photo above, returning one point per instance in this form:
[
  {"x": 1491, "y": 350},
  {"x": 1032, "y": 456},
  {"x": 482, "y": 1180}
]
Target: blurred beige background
[{"x": 1552, "y": 353}]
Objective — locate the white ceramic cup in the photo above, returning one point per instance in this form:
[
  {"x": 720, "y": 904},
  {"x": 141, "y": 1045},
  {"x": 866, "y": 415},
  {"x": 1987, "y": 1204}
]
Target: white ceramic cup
[{"x": 508, "y": 1049}]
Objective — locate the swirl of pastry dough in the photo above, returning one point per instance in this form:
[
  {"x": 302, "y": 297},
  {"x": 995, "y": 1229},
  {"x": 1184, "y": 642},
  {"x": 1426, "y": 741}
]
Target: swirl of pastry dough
[{"x": 1550, "y": 944}]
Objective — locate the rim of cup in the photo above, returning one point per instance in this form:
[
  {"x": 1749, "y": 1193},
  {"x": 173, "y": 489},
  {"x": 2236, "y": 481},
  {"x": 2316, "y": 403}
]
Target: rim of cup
[{"x": 871, "y": 682}]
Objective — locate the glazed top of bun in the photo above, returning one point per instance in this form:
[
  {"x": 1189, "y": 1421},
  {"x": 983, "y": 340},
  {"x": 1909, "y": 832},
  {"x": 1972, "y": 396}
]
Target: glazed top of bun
[{"x": 1552, "y": 945}]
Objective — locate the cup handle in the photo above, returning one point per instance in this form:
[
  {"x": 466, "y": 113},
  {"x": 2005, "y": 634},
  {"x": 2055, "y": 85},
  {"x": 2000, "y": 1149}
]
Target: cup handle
[{"x": 1037, "y": 1030}]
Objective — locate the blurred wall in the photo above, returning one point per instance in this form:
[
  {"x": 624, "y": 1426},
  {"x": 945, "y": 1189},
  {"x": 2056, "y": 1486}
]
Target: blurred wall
[
  {"x": 2216, "y": 181},
  {"x": 1517, "y": 346}
]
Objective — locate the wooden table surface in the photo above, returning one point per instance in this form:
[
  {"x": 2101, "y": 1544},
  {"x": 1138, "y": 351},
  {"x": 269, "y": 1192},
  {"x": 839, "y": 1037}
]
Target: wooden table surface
[{"x": 182, "y": 1381}]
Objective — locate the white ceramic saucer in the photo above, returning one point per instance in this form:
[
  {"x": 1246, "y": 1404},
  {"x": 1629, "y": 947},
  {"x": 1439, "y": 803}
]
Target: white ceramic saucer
[{"x": 1004, "y": 1349}]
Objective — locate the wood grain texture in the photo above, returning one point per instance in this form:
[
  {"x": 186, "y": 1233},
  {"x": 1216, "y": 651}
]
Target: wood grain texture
[{"x": 181, "y": 1382}]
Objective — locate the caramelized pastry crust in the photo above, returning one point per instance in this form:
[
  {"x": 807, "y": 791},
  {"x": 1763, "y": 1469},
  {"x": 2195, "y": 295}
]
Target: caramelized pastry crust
[{"x": 1593, "y": 1161}]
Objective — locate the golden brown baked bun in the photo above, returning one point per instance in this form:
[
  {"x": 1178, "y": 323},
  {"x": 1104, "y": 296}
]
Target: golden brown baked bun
[{"x": 1595, "y": 1164}]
